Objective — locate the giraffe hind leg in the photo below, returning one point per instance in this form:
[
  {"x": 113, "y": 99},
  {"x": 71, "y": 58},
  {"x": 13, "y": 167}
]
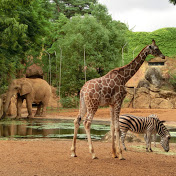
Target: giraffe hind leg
[
  {"x": 77, "y": 122},
  {"x": 87, "y": 125}
]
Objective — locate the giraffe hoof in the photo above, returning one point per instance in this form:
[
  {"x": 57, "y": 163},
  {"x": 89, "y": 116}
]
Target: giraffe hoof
[
  {"x": 122, "y": 158},
  {"x": 73, "y": 155},
  {"x": 115, "y": 156},
  {"x": 94, "y": 157}
]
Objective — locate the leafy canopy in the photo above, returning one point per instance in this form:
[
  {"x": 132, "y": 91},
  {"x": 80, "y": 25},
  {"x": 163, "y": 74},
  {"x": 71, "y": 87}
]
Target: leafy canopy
[
  {"x": 100, "y": 37},
  {"x": 72, "y": 7},
  {"x": 165, "y": 39},
  {"x": 23, "y": 27}
]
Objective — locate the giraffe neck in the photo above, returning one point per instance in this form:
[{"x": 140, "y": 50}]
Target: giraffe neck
[
  {"x": 135, "y": 64},
  {"x": 127, "y": 71}
]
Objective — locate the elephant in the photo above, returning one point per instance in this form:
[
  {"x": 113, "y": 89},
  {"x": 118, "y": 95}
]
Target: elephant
[{"x": 34, "y": 90}]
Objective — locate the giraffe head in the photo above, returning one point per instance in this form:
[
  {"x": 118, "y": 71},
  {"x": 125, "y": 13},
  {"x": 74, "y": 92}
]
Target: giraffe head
[{"x": 154, "y": 50}]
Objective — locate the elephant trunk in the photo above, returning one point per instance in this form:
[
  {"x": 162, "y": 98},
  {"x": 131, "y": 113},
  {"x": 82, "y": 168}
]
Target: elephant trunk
[{"x": 6, "y": 106}]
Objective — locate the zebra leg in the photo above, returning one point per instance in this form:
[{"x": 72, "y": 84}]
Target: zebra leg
[
  {"x": 123, "y": 135},
  {"x": 148, "y": 142},
  {"x": 145, "y": 137},
  {"x": 154, "y": 139}
]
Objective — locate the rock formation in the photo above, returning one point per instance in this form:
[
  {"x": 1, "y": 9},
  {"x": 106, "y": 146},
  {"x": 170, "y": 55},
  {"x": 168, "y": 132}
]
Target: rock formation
[{"x": 34, "y": 71}]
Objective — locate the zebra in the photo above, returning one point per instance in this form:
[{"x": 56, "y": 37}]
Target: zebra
[{"x": 145, "y": 125}]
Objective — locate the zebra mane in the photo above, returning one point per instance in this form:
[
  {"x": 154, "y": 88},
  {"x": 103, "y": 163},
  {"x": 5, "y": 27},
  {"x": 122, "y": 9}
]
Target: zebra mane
[
  {"x": 161, "y": 128},
  {"x": 153, "y": 116}
]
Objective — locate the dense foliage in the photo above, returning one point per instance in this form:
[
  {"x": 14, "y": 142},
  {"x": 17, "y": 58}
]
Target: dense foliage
[
  {"x": 165, "y": 38},
  {"x": 23, "y": 27},
  {"x": 72, "y": 7},
  {"x": 68, "y": 38},
  {"x": 96, "y": 35}
]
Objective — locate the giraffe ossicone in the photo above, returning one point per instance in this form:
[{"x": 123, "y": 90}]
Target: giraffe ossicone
[{"x": 109, "y": 90}]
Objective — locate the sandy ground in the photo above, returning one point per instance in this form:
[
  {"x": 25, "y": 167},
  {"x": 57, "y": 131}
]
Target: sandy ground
[{"x": 52, "y": 157}]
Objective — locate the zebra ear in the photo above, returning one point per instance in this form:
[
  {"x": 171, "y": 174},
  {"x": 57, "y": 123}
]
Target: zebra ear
[
  {"x": 162, "y": 121},
  {"x": 168, "y": 136}
]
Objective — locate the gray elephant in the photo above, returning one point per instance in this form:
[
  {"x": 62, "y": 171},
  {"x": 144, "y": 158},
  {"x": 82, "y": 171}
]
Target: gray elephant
[{"x": 33, "y": 90}]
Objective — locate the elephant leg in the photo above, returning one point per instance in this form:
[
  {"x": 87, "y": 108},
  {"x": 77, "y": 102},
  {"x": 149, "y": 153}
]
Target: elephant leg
[
  {"x": 19, "y": 105},
  {"x": 43, "y": 114},
  {"x": 37, "y": 114},
  {"x": 29, "y": 106}
]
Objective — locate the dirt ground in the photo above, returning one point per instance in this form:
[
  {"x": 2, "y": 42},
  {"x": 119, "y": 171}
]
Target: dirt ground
[{"x": 52, "y": 157}]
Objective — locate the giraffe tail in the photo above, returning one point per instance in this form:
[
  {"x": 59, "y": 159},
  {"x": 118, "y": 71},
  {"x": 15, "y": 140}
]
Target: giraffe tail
[{"x": 82, "y": 107}]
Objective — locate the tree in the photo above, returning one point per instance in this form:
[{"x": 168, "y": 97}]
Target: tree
[
  {"x": 173, "y": 1},
  {"x": 102, "y": 47},
  {"x": 71, "y": 7},
  {"x": 23, "y": 28}
]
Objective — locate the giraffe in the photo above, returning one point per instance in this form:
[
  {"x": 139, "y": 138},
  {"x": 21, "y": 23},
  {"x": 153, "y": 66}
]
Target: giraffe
[{"x": 108, "y": 90}]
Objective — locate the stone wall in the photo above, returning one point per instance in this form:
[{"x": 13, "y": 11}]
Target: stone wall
[{"x": 150, "y": 98}]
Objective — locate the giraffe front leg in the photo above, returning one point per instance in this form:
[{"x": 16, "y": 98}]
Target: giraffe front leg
[
  {"x": 114, "y": 154},
  {"x": 117, "y": 131},
  {"x": 119, "y": 150},
  {"x": 87, "y": 125}
]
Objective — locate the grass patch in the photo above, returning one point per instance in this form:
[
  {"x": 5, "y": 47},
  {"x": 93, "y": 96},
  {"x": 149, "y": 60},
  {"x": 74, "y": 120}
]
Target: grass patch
[{"x": 142, "y": 148}]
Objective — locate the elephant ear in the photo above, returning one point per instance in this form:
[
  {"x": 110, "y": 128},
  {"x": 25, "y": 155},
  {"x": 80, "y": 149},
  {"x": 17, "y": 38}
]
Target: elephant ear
[{"x": 26, "y": 88}]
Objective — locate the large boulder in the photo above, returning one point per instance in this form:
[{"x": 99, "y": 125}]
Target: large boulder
[
  {"x": 153, "y": 76},
  {"x": 161, "y": 103},
  {"x": 143, "y": 83},
  {"x": 141, "y": 98},
  {"x": 152, "y": 97},
  {"x": 128, "y": 101},
  {"x": 34, "y": 71}
]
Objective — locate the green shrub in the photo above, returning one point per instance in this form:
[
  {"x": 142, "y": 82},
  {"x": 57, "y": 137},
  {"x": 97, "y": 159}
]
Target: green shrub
[{"x": 69, "y": 102}]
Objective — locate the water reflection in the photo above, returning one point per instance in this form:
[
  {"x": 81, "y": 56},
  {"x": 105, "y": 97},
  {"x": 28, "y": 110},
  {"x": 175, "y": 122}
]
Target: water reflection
[
  {"x": 39, "y": 128},
  {"x": 43, "y": 128}
]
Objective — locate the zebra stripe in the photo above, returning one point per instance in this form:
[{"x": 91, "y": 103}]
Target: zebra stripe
[{"x": 146, "y": 125}]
